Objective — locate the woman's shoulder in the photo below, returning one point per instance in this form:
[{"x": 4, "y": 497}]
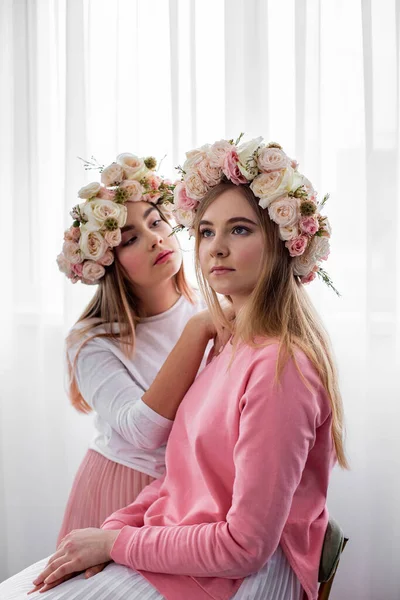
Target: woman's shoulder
[
  {"x": 91, "y": 334},
  {"x": 271, "y": 356}
]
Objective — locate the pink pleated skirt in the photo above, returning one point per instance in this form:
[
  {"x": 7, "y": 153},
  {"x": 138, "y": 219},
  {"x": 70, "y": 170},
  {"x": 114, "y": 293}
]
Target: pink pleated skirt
[{"x": 101, "y": 486}]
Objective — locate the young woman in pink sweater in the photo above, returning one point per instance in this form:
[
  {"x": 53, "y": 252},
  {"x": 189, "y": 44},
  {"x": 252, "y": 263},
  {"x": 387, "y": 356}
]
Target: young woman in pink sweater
[{"x": 241, "y": 511}]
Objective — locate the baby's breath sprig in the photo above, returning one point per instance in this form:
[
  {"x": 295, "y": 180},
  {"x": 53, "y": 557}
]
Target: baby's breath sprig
[
  {"x": 323, "y": 201},
  {"x": 92, "y": 165},
  {"x": 322, "y": 274},
  {"x": 180, "y": 170}
]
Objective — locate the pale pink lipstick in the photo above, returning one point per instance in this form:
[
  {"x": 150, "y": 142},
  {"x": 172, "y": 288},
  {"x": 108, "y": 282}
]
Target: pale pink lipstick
[
  {"x": 163, "y": 257},
  {"x": 221, "y": 270}
]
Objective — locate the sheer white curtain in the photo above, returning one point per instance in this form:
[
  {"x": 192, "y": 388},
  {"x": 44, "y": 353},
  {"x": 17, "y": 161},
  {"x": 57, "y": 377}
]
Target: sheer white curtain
[{"x": 99, "y": 77}]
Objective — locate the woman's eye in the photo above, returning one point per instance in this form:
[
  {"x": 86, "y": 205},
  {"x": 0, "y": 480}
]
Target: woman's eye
[
  {"x": 157, "y": 222},
  {"x": 205, "y": 232},
  {"x": 130, "y": 241},
  {"x": 239, "y": 230}
]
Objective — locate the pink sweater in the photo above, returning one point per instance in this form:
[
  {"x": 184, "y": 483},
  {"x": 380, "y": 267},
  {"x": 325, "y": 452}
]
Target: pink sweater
[{"x": 248, "y": 465}]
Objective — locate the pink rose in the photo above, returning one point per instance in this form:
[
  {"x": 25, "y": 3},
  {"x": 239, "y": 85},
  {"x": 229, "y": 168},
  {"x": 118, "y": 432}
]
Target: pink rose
[
  {"x": 272, "y": 159},
  {"x": 112, "y": 175},
  {"x": 151, "y": 196},
  {"x": 92, "y": 271},
  {"x": 297, "y": 245},
  {"x": 231, "y": 168},
  {"x": 308, "y": 278},
  {"x": 113, "y": 238},
  {"x": 284, "y": 211},
  {"x": 217, "y": 153},
  {"x": 154, "y": 181},
  {"x": 72, "y": 252},
  {"x": 77, "y": 270},
  {"x": 106, "y": 194},
  {"x": 63, "y": 264},
  {"x": 196, "y": 188},
  {"x": 133, "y": 188},
  {"x": 107, "y": 259},
  {"x": 72, "y": 234},
  {"x": 210, "y": 174},
  {"x": 309, "y": 225},
  {"x": 181, "y": 199}
]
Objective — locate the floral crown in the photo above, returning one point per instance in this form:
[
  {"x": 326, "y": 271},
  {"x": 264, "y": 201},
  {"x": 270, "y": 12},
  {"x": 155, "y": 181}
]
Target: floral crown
[
  {"x": 97, "y": 221},
  {"x": 274, "y": 178}
]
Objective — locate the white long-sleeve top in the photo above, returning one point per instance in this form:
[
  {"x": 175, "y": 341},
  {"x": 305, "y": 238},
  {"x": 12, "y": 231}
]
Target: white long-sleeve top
[{"x": 127, "y": 430}]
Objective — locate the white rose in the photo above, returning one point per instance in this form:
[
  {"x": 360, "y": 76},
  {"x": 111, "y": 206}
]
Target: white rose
[
  {"x": 271, "y": 186},
  {"x": 92, "y": 271},
  {"x": 196, "y": 188},
  {"x": 133, "y": 166},
  {"x": 193, "y": 157},
  {"x": 184, "y": 217},
  {"x": 112, "y": 175},
  {"x": 247, "y": 164},
  {"x": 288, "y": 233},
  {"x": 285, "y": 211},
  {"x": 304, "y": 264},
  {"x": 89, "y": 191},
  {"x": 320, "y": 247},
  {"x": 97, "y": 211},
  {"x": 92, "y": 244}
]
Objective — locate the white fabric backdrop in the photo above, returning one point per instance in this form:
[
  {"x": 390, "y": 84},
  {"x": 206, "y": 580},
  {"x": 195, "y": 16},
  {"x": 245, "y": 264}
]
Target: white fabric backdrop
[{"x": 83, "y": 77}]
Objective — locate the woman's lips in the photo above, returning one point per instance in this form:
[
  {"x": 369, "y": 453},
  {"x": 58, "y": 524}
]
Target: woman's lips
[
  {"x": 163, "y": 257},
  {"x": 221, "y": 270}
]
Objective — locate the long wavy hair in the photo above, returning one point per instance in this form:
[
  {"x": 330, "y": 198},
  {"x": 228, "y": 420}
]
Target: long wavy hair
[
  {"x": 114, "y": 303},
  {"x": 278, "y": 307}
]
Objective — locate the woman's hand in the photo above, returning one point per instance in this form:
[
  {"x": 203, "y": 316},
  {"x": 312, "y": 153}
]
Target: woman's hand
[
  {"x": 78, "y": 551},
  {"x": 206, "y": 325}
]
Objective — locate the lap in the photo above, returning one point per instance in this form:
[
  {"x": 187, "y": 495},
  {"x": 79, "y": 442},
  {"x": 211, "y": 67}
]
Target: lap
[{"x": 115, "y": 582}]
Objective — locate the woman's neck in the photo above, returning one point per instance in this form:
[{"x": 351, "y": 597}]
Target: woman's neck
[{"x": 158, "y": 299}]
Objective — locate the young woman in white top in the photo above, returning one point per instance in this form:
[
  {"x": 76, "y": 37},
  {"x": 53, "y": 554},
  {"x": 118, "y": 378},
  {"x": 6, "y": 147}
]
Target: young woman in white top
[{"x": 121, "y": 240}]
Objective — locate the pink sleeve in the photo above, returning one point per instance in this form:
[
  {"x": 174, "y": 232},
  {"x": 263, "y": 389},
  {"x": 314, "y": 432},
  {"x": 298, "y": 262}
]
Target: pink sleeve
[
  {"x": 277, "y": 431},
  {"x": 132, "y": 515}
]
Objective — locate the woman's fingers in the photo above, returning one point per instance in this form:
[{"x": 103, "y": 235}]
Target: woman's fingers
[
  {"x": 94, "y": 570},
  {"x": 49, "y": 586},
  {"x": 65, "y": 568},
  {"x": 49, "y": 568}
]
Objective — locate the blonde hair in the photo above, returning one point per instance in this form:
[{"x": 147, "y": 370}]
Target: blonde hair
[
  {"x": 114, "y": 302},
  {"x": 278, "y": 307}
]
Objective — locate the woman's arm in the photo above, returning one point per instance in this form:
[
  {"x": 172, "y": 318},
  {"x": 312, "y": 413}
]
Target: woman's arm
[
  {"x": 277, "y": 430},
  {"x": 180, "y": 368},
  {"x": 141, "y": 418}
]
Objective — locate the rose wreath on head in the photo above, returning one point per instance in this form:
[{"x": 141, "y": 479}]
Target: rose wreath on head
[
  {"x": 98, "y": 220},
  {"x": 274, "y": 178}
]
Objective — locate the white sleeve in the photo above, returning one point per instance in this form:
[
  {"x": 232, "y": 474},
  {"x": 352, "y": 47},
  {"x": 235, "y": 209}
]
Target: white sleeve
[{"x": 108, "y": 387}]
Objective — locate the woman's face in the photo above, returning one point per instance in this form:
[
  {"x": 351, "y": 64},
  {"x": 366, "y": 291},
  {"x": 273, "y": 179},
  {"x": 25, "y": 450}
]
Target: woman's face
[
  {"x": 148, "y": 252},
  {"x": 231, "y": 246}
]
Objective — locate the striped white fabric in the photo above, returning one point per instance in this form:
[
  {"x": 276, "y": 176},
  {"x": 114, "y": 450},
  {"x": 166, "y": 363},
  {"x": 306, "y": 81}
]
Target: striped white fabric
[{"x": 275, "y": 581}]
